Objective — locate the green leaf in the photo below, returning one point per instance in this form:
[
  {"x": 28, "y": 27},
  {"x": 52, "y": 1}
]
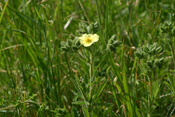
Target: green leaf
[
  {"x": 85, "y": 112},
  {"x": 80, "y": 103},
  {"x": 100, "y": 90}
]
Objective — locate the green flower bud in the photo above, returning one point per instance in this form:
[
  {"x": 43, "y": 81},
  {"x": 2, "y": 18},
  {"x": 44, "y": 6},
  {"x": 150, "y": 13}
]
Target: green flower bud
[
  {"x": 69, "y": 43},
  {"x": 167, "y": 27},
  {"x": 152, "y": 49},
  {"x": 114, "y": 37},
  {"x": 116, "y": 43},
  {"x": 139, "y": 54},
  {"x": 113, "y": 43},
  {"x": 76, "y": 44},
  {"x": 96, "y": 27},
  {"x": 159, "y": 62},
  {"x": 63, "y": 46},
  {"x": 146, "y": 48},
  {"x": 150, "y": 64},
  {"x": 90, "y": 28},
  {"x": 82, "y": 28}
]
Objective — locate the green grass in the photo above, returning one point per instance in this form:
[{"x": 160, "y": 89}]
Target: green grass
[{"x": 130, "y": 74}]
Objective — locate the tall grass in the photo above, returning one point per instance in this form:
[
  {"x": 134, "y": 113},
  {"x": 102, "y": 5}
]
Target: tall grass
[{"x": 135, "y": 78}]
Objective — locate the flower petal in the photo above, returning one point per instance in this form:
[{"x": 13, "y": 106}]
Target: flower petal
[
  {"x": 87, "y": 44},
  {"x": 95, "y": 37}
]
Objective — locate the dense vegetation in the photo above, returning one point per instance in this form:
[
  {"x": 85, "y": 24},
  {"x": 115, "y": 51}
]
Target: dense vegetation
[{"x": 46, "y": 71}]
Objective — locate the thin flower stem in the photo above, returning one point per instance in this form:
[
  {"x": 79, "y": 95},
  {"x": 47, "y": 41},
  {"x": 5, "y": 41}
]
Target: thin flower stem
[
  {"x": 151, "y": 87},
  {"x": 151, "y": 84},
  {"x": 14, "y": 106},
  {"x": 173, "y": 54},
  {"x": 84, "y": 11},
  {"x": 90, "y": 73},
  {"x": 81, "y": 56}
]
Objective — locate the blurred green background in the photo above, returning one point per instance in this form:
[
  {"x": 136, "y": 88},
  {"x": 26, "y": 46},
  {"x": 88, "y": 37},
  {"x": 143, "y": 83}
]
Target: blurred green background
[{"x": 37, "y": 79}]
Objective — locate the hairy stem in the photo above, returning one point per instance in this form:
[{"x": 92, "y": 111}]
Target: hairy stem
[{"x": 90, "y": 73}]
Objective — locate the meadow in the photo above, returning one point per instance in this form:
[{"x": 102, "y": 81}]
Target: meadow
[{"x": 87, "y": 58}]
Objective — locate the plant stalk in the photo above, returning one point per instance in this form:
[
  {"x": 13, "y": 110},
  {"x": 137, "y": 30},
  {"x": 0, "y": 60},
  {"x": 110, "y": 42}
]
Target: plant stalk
[
  {"x": 173, "y": 54},
  {"x": 90, "y": 73}
]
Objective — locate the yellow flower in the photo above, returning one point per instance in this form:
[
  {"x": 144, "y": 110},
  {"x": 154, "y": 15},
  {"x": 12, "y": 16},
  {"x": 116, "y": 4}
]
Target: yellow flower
[{"x": 88, "y": 39}]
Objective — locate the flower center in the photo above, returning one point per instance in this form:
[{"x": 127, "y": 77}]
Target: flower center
[{"x": 88, "y": 40}]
